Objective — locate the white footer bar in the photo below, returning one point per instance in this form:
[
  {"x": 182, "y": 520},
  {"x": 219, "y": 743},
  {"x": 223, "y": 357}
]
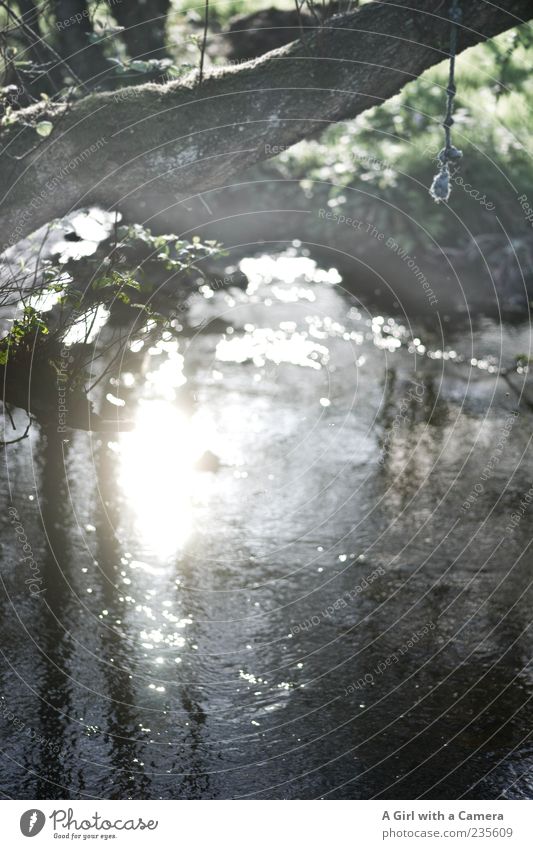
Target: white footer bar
[{"x": 268, "y": 824}]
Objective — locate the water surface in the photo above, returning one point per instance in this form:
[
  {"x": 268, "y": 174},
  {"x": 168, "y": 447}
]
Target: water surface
[{"x": 308, "y": 610}]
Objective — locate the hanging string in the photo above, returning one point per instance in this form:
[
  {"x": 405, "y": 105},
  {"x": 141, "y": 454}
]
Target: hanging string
[{"x": 440, "y": 187}]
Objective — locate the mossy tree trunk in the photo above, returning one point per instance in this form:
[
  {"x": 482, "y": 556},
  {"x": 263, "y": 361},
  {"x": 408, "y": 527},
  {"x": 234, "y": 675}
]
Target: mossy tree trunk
[{"x": 145, "y": 149}]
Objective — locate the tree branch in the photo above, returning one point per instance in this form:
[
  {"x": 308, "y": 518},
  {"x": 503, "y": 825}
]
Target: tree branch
[
  {"x": 5, "y": 443},
  {"x": 145, "y": 148}
]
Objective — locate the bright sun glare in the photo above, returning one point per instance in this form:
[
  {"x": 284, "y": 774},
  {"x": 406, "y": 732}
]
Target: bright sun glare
[{"x": 158, "y": 475}]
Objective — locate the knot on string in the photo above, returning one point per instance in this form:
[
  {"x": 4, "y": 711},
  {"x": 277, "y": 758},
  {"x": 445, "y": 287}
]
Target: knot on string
[{"x": 440, "y": 187}]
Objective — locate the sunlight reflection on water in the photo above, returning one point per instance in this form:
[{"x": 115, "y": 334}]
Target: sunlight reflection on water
[
  {"x": 161, "y": 484},
  {"x": 232, "y": 604}
]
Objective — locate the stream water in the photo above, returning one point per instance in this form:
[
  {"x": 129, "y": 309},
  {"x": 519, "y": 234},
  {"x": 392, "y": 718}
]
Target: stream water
[{"x": 272, "y": 587}]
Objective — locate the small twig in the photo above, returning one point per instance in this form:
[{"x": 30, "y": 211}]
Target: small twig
[
  {"x": 37, "y": 39},
  {"x": 313, "y": 11},
  {"x": 299, "y": 13},
  {"x": 204, "y": 42},
  {"x": 4, "y": 444},
  {"x": 10, "y": 417},
  {"x": 39, "y": 254}
]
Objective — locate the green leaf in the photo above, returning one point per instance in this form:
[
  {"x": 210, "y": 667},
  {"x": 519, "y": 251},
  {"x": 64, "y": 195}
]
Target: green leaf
[
  {"x": 102, "y": 283},
  {"x": 139, "y": 65},
  {"x": 44, "y": 128}
]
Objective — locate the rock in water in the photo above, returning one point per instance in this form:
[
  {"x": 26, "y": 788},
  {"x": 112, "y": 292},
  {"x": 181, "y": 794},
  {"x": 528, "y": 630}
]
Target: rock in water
[{"x": 208, "y": 462}]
